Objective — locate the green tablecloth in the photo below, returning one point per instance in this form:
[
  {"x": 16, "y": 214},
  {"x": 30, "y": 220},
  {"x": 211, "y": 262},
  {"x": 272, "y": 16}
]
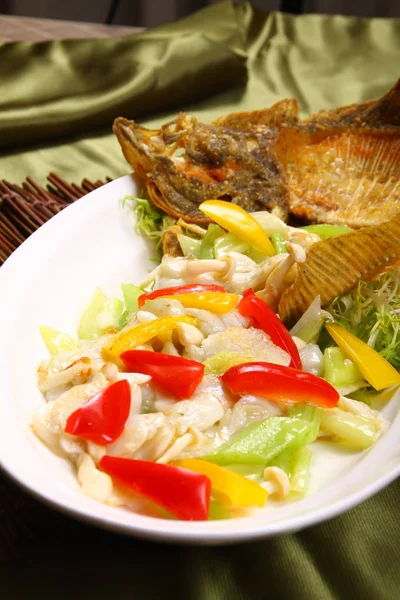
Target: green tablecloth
[{"x": 57, "y": 104}]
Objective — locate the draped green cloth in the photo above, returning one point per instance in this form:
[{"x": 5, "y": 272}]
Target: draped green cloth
[{"x": 57, "y": 104}]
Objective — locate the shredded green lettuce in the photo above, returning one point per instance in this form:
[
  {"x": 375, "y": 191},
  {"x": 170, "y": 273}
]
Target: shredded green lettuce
[
  {"x": 372, "y": 313},
  {"x": 150, "y": 221}
]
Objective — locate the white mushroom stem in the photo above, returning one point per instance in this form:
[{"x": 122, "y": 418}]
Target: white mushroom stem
[
  {"x": 277, "y": 482},
  {"x": 197, "y": 267}
]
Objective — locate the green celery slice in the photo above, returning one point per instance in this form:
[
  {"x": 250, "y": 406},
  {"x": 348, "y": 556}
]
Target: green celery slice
[
  {"x": 100, "y": 315},
  {"x": 131, "y": 295},
  {"x": 190, "y": 246},
  {"x": 207, "y": 243},
  {"x": 261, "y": 441},
  {"x": 57, "y": 341},
  {"x": 338, "y": 369},
  {"x": 353, "y": 429},
  {"x": 324, "y": 230},
  {"x": 279, "y": 242}
]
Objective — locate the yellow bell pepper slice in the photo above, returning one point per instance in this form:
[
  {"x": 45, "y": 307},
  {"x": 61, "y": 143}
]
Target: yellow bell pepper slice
[
  {"x": 239, "y": 490},
  {"x": 140, "y": 334},
  {"x": 216, "y": 302},
  {"x": 235, "y": 219},
  {"x": 57, "y": 341},
  {"x": 374, "y": 368}
]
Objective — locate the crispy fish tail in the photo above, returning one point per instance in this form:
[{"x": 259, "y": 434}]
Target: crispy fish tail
[{"x": 335, "y": 266}]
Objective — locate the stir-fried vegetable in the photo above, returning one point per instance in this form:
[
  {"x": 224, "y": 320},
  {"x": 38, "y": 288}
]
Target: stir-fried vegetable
[
  {"x": 56, "y": 341},
  {"x": 279, "y": 242},
  {"x": 374, "y": 368},
  {"x": 184, "y": 493},
  {"x": 276, "y": 382},
  {"x": 372, "y": 313},
  {"x": 339, "y": 370},
  {"x": 216, "y": 302},
  {"x": 353, "y": 429},
  {"x": 236, "y": 220},
  {"x": 195, "y": 288},
  {"x": 132, "y": 294},
  {"x": 261, "y": 441},
  {"x": 311, "y": 322},
  {"x": 206, "y": 369},
  {"x": 264, "y": 318},
  {"x": 150, "y": 222},
  {"x": 129, "y": 339},
  {"x": 239, "y": 490},
  {"x": 326, "y": 231},
  {"x": 101, "y": 314},
  {"x": 207, "y": 243},
  {"x": 296, "y": 464},
  {"x": 177, "y": 375},
  {"x": 102, "y": 419}
]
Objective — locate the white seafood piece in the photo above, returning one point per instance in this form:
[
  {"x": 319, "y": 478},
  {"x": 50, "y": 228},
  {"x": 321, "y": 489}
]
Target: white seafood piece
[
  {"x": 56, "y": 413},
  {"x": 78, "y": 371},
  {"x": 249, "y": 409},
  {"x": 250, "y": 342},
  {"x": 94, "y": 483},
  {"x": 312, "y": 359},
  {"x": 86, "y": 349},
  {"x": 49, "y": 420},
  {"x": 208, "y": 323},
  {"x": 138, "y": 430},
  {"x": 363, "y": 410},
  {"x": 165, "y": 307},
  {"x": 202, "y": 411},
  {"x": 302, "y": 237}
]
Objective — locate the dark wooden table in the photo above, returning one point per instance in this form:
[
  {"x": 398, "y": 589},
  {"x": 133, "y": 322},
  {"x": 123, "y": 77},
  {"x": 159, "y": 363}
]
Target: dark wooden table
[{"x": 27, "y": 29}]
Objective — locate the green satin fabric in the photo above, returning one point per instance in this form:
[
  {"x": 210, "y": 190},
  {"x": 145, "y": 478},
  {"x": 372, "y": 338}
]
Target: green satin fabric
[
  {"x": 58, "y": 99},
  {"x": 57, "y": 104}
]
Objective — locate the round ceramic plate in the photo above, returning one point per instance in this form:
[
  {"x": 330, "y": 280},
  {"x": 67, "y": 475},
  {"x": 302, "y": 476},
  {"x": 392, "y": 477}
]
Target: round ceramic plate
[{"x": 49, "y": 280}]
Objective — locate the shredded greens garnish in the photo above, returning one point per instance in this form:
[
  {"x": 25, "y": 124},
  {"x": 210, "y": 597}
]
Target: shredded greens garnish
[
  {"x": 372, "y": 313},
  {"x": 151, "y": 222}
]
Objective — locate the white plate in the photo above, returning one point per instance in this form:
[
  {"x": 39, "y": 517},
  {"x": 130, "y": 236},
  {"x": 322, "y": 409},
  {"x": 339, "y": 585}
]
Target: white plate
[{"x": 49, "y": 280}]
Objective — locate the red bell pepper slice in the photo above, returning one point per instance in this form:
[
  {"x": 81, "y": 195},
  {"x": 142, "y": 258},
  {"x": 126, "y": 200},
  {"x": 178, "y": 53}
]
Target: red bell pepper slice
[
  {"x": 184, "y": 493},
  {"x": 264, "y": 318},
  {"x": 195, "y": 288},
  {"x": 102, "y": 418},
  {"x": 177, "y": 375},
  {"x": 276, "y": 382}
]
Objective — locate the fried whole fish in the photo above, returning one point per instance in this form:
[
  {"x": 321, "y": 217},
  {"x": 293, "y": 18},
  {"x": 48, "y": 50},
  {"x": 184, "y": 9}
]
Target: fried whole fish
[
  {"x": 338, "y": 166},
  {"x": 187, "y": 162}
]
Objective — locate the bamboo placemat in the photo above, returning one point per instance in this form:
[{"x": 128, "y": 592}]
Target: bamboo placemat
[{"x": 24, "y": 208}]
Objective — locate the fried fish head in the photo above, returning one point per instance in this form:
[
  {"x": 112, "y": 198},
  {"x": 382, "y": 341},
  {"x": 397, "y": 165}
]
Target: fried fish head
[{"x": 186, "y": 162}]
